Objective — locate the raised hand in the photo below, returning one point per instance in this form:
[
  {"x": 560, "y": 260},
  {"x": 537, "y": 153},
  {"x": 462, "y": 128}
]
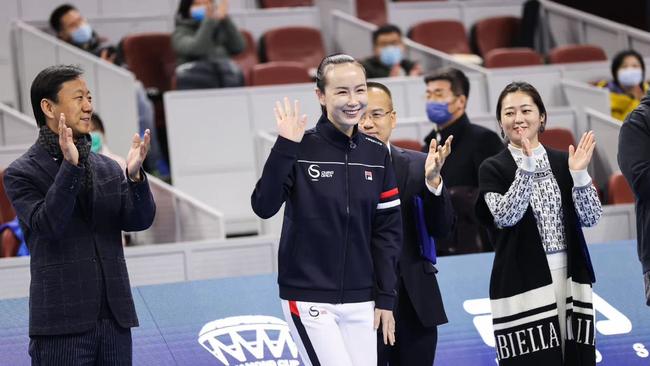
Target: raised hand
[
  {"x": 580, "y": 157},
  {"x": 525, "y": 145},
  {"x": 222, "y": 9},
  {"x": 387, "y": 321},
  {"x": 290, "y": 125},
  {"x": 136, "y": 155},
  {"x": 435, "y": 160},
  {"x": 66, "y": 142}
]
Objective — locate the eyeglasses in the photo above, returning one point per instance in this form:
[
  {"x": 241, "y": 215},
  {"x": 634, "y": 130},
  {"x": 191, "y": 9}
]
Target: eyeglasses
[{"x": 376, "y": 115}]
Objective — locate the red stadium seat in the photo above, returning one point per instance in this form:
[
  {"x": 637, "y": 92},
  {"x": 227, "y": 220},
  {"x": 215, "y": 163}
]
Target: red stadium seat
[
  {"x": 444, "y": 35},
  {"x": 9, "y": 244},
  {"x": 511, "y": 57},
  {"x": 301, "y": 44},
  {"x": 557, "y": 138},
  {"x": 372, "y": 11},
  {"x": 496, "y": 32},
  {"x": 279, "y": 72},
  {"x": 285, "y": 3},
  {"x": 248, "y": 57},
  {"x": 151, "y": 58},
  {"x": 576, "y": 53},
  {"x": 7, "y": 212},
  {"x": 618, "y": 190},
  {"x": 407, "y": 144}
]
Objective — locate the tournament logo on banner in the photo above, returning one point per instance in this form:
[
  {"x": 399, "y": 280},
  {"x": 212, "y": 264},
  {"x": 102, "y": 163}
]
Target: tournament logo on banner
[{"x": 250, "y": 340}]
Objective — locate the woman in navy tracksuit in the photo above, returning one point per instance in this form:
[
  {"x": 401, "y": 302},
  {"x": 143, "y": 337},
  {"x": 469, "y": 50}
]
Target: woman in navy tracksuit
[{"x": 341, "y": 234}]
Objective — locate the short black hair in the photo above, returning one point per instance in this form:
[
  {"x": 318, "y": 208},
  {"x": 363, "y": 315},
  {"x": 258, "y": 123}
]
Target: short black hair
[
  {"x": 457, "y": 79},
  {"x": 97, "y": 122},
  {"x": 184, "y": 8},
  {"x": 528, "y": 89},
  {"x": 385, "y": 29},
  {"x": 57, "y": 14},
  {"x": 382, "y": 87},
  {"x": 617, "y": 61},
  {"x": 47, "y": 84}
]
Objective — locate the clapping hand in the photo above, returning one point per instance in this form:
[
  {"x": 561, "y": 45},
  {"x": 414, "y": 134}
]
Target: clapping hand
[
  {"x": 290, "y": 125},
  {"x": 435, "y": 160},
  {"x": 66, "y": 142},
  {"x": 137, "y": 154},
  {"x": 580, "y": 156}
]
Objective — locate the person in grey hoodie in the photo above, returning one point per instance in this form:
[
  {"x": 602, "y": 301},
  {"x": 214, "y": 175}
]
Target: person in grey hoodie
[
  {"x": 634, "y": 160},
  {"x": 204, "y": 40}
]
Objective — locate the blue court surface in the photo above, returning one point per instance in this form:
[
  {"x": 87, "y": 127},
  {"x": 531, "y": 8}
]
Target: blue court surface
[{"x": 238, "y": 321}]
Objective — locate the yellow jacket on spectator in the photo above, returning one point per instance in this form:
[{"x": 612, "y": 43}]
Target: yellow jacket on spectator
[{"x": 621, "y": 103}]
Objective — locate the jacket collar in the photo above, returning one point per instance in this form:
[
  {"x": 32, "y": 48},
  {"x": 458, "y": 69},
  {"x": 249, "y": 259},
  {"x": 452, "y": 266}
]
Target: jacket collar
[
  {"x": 400, "y": 165},
  {"x": 332, "y": 134},
  {"x": 455, "y": 129}
]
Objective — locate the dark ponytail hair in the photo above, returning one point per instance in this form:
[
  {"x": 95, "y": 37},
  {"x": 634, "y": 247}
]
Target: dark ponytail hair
[
  {"x": 526, "y": 88},
  {"x": 324, "y": 66}
]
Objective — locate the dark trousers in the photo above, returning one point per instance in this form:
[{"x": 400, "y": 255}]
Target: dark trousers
[
  {"x": 106, "y": 344},
  {"x": 415, "y": 345}
]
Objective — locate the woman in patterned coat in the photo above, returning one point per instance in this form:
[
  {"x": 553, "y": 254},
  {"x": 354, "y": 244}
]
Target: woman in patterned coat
[{"x": 537, "y": 200}]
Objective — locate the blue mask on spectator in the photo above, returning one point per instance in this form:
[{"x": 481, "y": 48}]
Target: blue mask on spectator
[
  {"x": 390, "y": 55},
  {"x": 83, "y": 34},
  {"x": 438, "y": 112},
  {"x": 198, "y": 13}
]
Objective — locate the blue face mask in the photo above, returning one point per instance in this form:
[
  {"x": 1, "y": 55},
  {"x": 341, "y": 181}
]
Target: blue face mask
[
  {"x": 438, "y": 112},
  {"x": 82, "y": 35},
  {"x": 390, "y": 55},
  {"x": 198, "y": 13},
  {"x": 96, "y": 141}
]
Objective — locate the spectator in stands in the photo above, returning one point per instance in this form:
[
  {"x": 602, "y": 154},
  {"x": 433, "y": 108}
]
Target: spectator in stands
[
  {"x": 342, "y": 229},
  {"x": 98, "y": 141},
  {"x": 70, "y": 26},
  {"x": 426, "y": 213},
  {"x": 389, "y": 55},
  {"x": 634, "y": 160},
  {"x": 204, "y": 39},
  {"x": 537, "y": 200},
  {"x": 446, "y": 92},
  {"x": 628, "y": 85},
  {"x": 72, "y": 206}
]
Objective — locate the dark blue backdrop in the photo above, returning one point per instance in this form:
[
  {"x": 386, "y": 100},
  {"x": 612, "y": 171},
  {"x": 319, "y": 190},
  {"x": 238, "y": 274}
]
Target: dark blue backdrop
[{"x": 173, "y": 316}]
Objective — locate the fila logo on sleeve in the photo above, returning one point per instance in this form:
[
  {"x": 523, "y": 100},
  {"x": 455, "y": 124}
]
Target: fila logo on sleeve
[{"x": 368, "y": 175}]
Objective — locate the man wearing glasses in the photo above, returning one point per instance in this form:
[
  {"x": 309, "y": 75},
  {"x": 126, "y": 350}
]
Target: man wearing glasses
[{"x": 426, "y": 213}]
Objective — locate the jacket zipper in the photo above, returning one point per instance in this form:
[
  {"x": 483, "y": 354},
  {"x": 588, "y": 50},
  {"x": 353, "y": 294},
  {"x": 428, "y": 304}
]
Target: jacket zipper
[{"x": 347, "y": 226}]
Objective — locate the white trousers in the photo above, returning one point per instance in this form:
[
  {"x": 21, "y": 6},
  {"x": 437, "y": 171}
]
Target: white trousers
[{"x": 333, "y": 334}]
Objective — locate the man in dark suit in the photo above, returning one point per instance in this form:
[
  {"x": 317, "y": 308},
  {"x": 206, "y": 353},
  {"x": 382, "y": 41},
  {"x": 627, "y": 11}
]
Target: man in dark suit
[
  {"x": 447, "y": 90},
  {"x": 73, "y": 206},
  {"x": 419, "y": 307}
]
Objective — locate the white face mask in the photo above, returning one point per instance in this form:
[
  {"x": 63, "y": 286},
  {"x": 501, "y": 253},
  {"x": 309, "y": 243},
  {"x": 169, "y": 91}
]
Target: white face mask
[{"x": 630, "y": 76}]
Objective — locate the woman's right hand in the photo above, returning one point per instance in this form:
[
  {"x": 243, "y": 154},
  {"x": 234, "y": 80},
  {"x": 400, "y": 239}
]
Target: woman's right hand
[
  {"x": 221, "y": 11},
  {"x": 291, "y": 126}
]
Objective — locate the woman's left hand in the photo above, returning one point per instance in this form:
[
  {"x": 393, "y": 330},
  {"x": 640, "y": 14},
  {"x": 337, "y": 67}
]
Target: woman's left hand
[
  {"x": 387, "y": 321},
  {"x": 580, "y": 157}
]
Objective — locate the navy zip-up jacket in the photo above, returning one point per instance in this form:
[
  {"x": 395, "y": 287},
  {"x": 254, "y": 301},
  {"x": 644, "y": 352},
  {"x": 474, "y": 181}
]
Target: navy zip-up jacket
[{"x": 342, "y": 230}]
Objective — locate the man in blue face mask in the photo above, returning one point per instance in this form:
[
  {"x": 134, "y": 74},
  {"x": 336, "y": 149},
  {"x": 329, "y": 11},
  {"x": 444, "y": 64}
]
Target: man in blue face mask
[
  {"x": 446, "y": 93},
  {"x": 72, "y": 27},
  {"x": 388, "y": 59}
]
